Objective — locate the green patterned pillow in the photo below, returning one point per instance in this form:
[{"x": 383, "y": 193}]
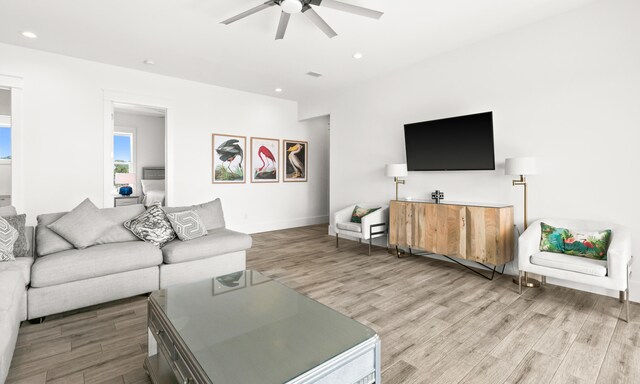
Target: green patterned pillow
[
  {"x": 359, "y": 213},
  {"x": 592, "y": 245}
]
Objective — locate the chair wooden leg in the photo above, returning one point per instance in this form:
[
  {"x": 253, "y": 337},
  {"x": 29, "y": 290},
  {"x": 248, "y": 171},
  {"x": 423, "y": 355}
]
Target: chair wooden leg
[{"x": 337, "y": 240}]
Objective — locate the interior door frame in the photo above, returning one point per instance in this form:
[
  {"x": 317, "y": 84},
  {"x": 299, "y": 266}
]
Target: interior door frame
[
  {"x": 15, "y": 85},
  {"x": 115, "y": 97}
]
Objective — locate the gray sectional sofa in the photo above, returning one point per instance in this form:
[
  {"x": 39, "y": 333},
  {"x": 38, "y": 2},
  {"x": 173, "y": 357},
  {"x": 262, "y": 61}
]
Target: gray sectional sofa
[{"x": 61, "y": 278}]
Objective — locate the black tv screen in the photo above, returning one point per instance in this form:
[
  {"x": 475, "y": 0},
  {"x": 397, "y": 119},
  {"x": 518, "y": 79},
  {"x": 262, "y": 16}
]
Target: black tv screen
[{"x": 463, "y": 143}]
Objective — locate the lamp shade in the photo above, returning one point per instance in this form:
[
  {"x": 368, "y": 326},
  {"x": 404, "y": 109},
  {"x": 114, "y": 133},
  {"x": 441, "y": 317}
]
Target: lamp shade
[
  {"x": 125, "y": 178},
  {"x": 397, "y": 170},
  {"x": 520, "y": 166}
]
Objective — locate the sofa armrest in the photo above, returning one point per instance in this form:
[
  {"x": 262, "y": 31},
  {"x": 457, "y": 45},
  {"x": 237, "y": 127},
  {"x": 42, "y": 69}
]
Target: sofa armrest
[
  {"x": 528, "y": 244},
  {"x": 619, "y": 254},
  {"x": 343, "y": 215}
]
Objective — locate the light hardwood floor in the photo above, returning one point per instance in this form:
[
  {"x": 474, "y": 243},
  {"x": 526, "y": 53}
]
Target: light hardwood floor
[{"x": 438, "y": 322}]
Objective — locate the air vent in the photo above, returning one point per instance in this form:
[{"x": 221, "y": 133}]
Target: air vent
[{"x": 314, "y": 74}]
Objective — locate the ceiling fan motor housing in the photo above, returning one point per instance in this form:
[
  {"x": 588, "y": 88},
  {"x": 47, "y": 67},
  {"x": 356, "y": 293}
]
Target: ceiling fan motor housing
[{"x": 291, "y": 6}]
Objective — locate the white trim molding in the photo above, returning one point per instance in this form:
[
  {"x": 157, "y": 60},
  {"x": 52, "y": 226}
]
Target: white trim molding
[{"x": 15, "y": 84}]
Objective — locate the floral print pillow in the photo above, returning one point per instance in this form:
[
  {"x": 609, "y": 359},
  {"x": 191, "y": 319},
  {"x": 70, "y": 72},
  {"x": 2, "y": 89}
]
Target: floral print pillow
[
  {"x": 359, "y": 213},
  {"x": 592, "y": 245}
]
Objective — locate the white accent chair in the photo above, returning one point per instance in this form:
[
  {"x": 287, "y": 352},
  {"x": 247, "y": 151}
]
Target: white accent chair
[
  {"x": 612, "y": 273},
  {"x": 373, "y": 225}
]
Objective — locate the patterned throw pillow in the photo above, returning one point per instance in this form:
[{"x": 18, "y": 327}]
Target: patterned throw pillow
[
  {"x": 187, "y": 225},
  {"x": 359, "y": 213},
  {"x": 21, "y": 246},
  {"x": 8, "y": 237},
  {"x": 152, "y": 226},
  {"x": 592, "y": 245}
]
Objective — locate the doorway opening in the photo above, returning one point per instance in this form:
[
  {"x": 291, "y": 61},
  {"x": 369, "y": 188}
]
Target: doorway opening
[{"x": 138, "y": 155}]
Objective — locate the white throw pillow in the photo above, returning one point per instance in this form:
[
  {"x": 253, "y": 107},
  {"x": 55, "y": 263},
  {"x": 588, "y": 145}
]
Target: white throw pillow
[
  {"x": 152, "y": 185},
  {"x": 187, "y": 224},
  {"x": 83, "y": 226}
]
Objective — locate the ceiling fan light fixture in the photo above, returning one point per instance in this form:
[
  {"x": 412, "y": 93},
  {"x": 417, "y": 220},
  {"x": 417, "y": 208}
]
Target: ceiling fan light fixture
[{"x": 291, "y": 6}]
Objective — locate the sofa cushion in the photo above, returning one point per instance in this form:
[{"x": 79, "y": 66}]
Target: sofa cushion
[
  {"x": 8, "y": 211},
  {"x": 83, "y": 226},
  {"x": 353, "y": 227},
  {"x": 12, "y": 304},
  {"x": 570, "y": 263},
  {"x": 117, "y": 233},
  {"x": 218, "y": 242},
  {"x": 12, "y": 288},
  {"x": 20, "y": 264},
  {"x": 49, "y": 242},
  {"x": 96, "y": 261},
  {"x": 211, "y": 213}
]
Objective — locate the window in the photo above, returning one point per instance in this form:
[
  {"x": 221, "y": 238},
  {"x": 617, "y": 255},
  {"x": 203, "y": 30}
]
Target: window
[
  {"x": 122, "y": 154},
  {"x": 5, "y": 144}
]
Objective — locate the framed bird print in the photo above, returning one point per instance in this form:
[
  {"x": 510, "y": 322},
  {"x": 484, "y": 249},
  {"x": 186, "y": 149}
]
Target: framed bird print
[
  {"x": 295, "y": 155},
  {"x": 265, "y": 160},
  {"x": 228, "y": 155}
]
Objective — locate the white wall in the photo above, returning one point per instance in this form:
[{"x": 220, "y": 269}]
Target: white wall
[
  {"x": 64, "y": 121},
  {"x": 149, "y": 140},
  {"x": 566, "y": 90}
]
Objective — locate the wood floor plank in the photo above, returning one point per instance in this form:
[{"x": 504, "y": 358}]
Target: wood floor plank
[{"x": 438, "y": 322}]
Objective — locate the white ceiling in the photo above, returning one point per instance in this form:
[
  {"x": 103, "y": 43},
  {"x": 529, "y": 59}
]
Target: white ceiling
[{"x": 186, "y": 40}]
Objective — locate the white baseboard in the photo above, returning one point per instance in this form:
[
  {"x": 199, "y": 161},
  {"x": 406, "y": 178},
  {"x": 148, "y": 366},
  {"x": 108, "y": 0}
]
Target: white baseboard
[{"x": 269, "y": 226}]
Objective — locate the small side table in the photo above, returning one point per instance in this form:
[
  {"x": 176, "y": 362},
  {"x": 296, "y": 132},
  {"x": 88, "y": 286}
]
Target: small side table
[{"x": 122, "y": 201}]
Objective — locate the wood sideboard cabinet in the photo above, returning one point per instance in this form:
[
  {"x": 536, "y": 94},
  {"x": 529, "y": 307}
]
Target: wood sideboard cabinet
[{"x": 480, "y": 233}]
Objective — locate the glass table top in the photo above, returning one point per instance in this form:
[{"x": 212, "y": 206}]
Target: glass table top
[{"x": 246, "y": 328}]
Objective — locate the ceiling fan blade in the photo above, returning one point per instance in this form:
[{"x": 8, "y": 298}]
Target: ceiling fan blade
[
  {"x": 250, "y": 12},
  {"x": 282, "y": 25},
  {"x": 319, "y": 22},
  {"x": 340, "y": 6}
]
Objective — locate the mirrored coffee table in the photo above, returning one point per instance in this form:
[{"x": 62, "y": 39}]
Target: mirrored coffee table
[{"x": 245, "y": 328}]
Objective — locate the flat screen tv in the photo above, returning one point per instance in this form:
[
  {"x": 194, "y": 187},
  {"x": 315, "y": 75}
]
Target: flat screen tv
[{"x": 463, "y": 143}]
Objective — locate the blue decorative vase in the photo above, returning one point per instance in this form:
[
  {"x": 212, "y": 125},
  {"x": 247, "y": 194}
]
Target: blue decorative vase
[{"x": 125, "y": 191}]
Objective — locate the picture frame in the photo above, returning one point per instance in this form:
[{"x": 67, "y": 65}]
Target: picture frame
[
  {"x": 265, "y": 160},
  {"x": 228, "y": 159},
  {"x": 295, "y": 164}
]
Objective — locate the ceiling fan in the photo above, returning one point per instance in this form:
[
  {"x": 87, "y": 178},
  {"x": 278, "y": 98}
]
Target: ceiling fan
[{"x": 289, "y": 7}]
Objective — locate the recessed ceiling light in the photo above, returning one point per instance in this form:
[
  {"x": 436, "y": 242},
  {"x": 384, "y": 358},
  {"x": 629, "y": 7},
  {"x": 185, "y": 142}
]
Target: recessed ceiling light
[
  {"x": 149, "y": 62},
  {"x": 357, "y": 55},
  {"x": 278, "y": 90},
  {"x": 29, "y": 35}
]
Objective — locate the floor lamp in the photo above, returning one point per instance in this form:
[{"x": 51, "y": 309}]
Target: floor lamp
[
  {"x": 523, "y": 166},
  {"x": 397, "y": 171}
]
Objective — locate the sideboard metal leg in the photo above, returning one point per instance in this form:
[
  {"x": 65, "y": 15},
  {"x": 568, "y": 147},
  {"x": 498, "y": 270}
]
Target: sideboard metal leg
[
  {"x": 621, "y": 296},
  {"x": 337, "y": 238}
]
